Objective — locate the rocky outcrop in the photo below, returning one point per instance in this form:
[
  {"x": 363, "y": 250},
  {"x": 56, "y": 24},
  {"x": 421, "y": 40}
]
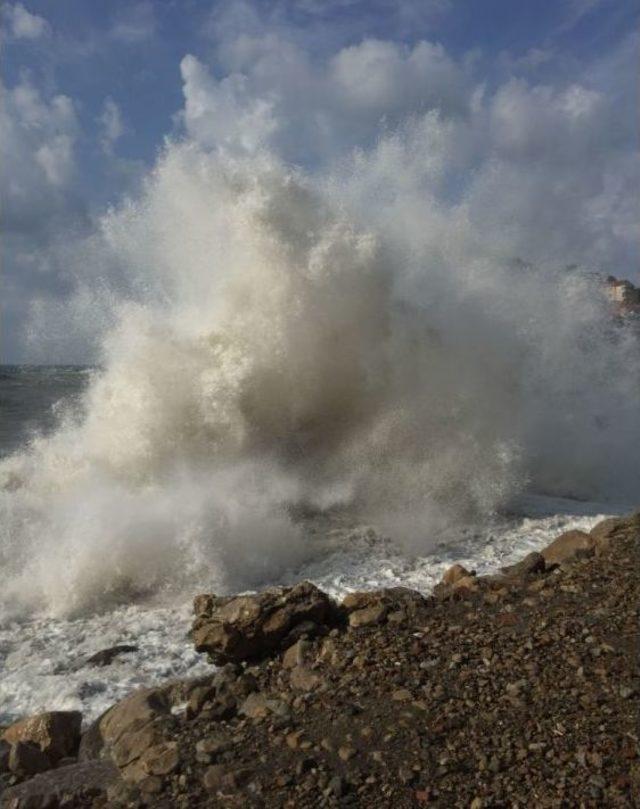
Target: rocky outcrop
[
  {"x": 237, "y": 628},
  {"x": 55, "y": 733}
]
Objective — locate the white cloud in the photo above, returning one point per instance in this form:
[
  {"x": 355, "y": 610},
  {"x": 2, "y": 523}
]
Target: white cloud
[
  {"x": 225, "y": 112},
  {"x": 111, "y": 124},
  {"x": 23, "y": 24},
  {"x": 38, "y": 137}
]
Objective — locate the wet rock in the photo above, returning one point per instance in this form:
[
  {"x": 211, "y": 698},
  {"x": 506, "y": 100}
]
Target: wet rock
[
  {"x": 567, "y": 546},
  {"x": 105, "y": 657},
  {"x": 255, "y": 626},
  {"x": 56, "y": 733},
  {"x": 532, "y": 564}
]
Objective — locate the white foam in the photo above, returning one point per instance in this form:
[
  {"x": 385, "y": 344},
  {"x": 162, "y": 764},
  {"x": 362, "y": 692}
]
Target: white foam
[{"x": 39, "y": 656}]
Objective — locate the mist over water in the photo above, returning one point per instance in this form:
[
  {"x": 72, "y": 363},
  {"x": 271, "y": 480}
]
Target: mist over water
[{"x": 347, "y": 337}]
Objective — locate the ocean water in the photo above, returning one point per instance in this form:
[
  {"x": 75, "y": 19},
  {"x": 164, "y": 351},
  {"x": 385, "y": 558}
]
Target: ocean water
[{"x": 42, "y": 656}]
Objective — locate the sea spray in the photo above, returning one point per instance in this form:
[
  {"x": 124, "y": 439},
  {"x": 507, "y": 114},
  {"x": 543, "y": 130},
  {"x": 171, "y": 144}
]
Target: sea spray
[{"x": 285, "y": 339}]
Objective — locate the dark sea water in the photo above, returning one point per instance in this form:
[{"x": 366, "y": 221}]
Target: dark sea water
[{"x": 32, "y": 399}]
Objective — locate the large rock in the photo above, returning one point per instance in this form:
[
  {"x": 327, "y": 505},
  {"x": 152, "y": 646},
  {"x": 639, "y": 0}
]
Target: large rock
[
  {"x": 236, "y": 628},
  {"x": 56, "y": 733},
  {"x": 567, "y": 546},
  {"x": 129, "y": 727},
  {"x": 75, "y": 785}
]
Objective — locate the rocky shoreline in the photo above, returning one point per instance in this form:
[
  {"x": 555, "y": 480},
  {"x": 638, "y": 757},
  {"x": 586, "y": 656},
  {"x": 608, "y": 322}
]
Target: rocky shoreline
[{"x": 519, "y": 689}]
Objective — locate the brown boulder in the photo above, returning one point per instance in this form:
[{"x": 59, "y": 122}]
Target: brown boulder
[
  {"x": 454, "y": 573},
  {"x": 251, "y": 627},
  {"x": 56, "y": 733},
  {"x": 567, "y": 546}
]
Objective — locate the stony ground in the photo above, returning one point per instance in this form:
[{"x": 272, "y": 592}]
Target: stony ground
[{"x": 514, "y": 691}]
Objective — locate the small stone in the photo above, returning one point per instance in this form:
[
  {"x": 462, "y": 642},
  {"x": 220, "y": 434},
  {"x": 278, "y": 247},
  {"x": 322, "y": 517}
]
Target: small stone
[
  {"x": 346, "y": 753},
  {"x": 293, "y": 739},
  {"x": 402, "y": 695},
  {"x": 296, "y": 654},
  {"x": 369, "y": 616}
]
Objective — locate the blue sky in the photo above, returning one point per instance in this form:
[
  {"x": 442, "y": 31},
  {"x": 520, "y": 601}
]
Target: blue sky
[{"x": 93, "y": 89}]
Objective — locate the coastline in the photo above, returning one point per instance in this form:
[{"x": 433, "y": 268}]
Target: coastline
[{"x": 496, "y": 690}]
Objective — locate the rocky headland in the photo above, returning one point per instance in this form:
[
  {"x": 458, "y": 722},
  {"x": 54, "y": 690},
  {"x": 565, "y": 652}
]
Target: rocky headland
[{"x": 519, "y": 689}]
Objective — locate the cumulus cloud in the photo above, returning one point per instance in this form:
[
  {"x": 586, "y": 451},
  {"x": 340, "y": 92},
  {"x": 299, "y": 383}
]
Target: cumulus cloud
[
  {"x": 40, "y": 204},
  {"x": 38, "y": 136},
  {"x": 22, "y": 24}
]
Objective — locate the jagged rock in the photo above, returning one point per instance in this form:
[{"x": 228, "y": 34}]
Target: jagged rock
[
  {"x": 56, "y": 733},
  {"x": 106, "y": 656},
  {"x": 27, "y": 759},
  {"x": 254, "y": 626},
  {"x": 567, "y": 546},
  {"x": 67, "y": 786}
]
